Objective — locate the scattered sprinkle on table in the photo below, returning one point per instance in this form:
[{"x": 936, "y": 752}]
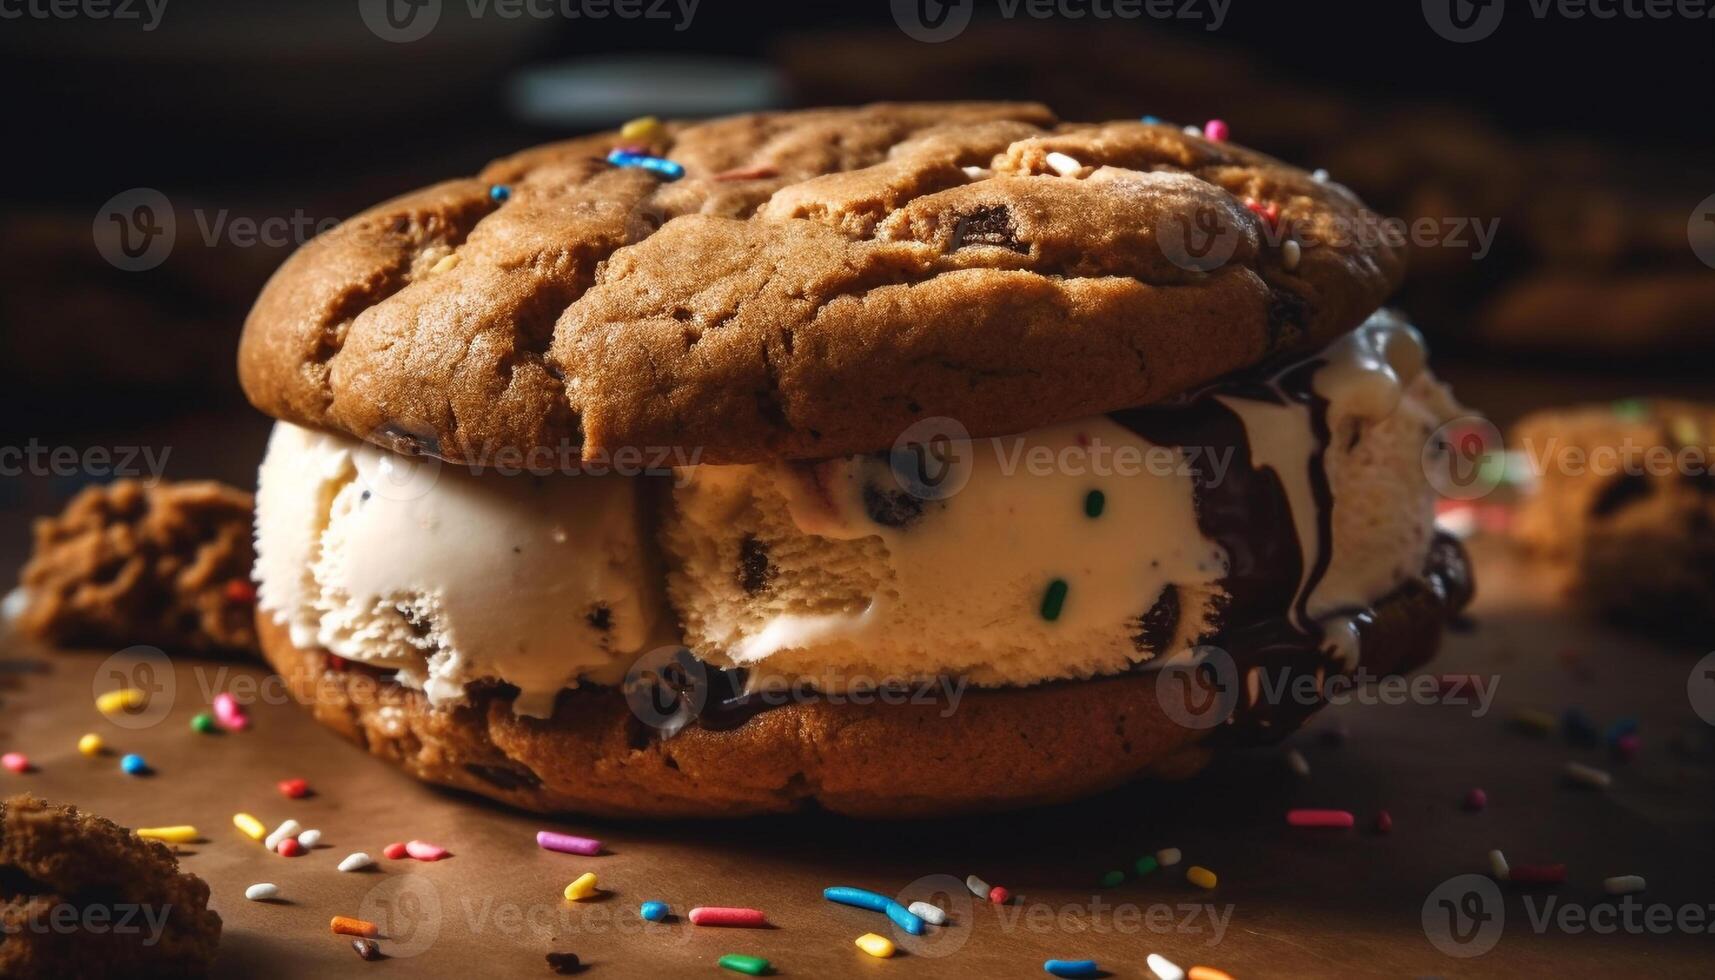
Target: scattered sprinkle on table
[
  {"x": 203, "y": 723},
  {"x": 1498, "y": 866},
  {"x": 294, "y": 789},
  {"x": 91, "y": 745},
  {"x": 356, "y": 861},
  {"x": 1112, "y": 879},
  {"x": 1207, "y": 973},
  {"x": 655, "y": 165},
  {"x": 904, "y": 918},
  {"x": 251, "y": 827},
  {"x": 879, "y": 947},
  {"x": 133, "y": 765},
  {"x": 999, "y": 895},
  {"x": 653, "y": 911},
  {"x": 16, "y": 762},
  {"x": 262, "y": 891},
  {"x": 1338, "y": 819},
  {"x": 1297, "y": 763},
  {"x": 1623, "y": 884},
  {"x": 1476, "y": 799},
  {"x": 1071, "y": 968},
  {"x": 932, "y": 914},
  {"x": 1200, "y": 876},
  {"x": 289, "y": 847},
  {"x": 288, "y": 828},
  {"x": 1532, "y": 721},
  {"x": 736, "y": 918},
  {"x": 1537, "y": 874},
  {"x": 346, "y": 926},
  {"x": 180, "y": 834},
  {"x": 367, "y": 950},
  {"x": 1626, "y": 746},
  {"x": 394, "y": 851},
  {"x": 861, "y": 898},
  {"x": 422, "y": 850},
  {"x": 563, "y": 962},
  {"x": 582, "y": 887},
  {"x": 1145, "y": 865},
  {"x": 1167, "y": 857},
  {"x": 229, "y": 714},
  {"x": 754, "y": 966},
  {"x": 124, "y": 699},
  {"x": 310, "y": 838},
  {"x": 978, "y": 887},
  {"x": 567, "y": 843},
  {"x": 1589, "y": 776},
  {"x": 1163, "y": 967},
  {"x": 1384, "y": 822}
]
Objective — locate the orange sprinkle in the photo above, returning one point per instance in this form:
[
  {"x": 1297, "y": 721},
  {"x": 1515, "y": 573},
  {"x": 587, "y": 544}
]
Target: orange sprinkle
[
  {"x": 1207, "y": 973},
  {"x": 346, "y": 926}
]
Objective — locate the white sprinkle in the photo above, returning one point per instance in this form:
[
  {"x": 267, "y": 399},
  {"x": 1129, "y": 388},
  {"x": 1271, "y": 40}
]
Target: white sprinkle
[
  {"x": 288, "y": 829},
  {"x": 1297, "y": 763},
  {"x": 310, "y": 838},
  {"x": 1164, "y": 968},
  {"x": 1498, "y": 866},
  {"x": 931, "y": 914},
  {"x": 262, "y": 892},
  {"x": 1319, "y": 175},
  {"x": 1460, "y": 522},
  {"x": 1193, "y": 130},
  {"x": 1290, "y": 253},
  {"x": 1167, "y": 857},
  {"x": 1062, "y": 164},
  {"x": 356, "y": 861},
  {"x": 1623, "y": 884},
  {"x": 976, "y": 173},
  {"x": 1590, "y": 776},
  {"x": 978, "y": 887},
  {"x": 447, "y": 262},
  {"x": 14, "y": 604}
]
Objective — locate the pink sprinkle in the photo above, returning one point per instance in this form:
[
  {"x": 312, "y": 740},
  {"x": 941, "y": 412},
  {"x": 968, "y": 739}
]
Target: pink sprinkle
[
  {"x": 737, "y": 918},
  {"x": 567, "y": 843},
  {"x": 999, "y": 895},
  {"x": 422, "y": 850},
  {"x": 1216, "y": 130},
  {"x": 229, "y": 714},
  {"x": 289, "y": 847},
  {"x": 1320, "y": 818},
  {"x": 1476, "y": 799},
  {"x": 1384, "y": 822},
  {"x": 1627, "y": 746},
  {"x": 15, "y": 761},
  {"x": 393, "y": 852},
  {"x": 1537, "y": 874}
]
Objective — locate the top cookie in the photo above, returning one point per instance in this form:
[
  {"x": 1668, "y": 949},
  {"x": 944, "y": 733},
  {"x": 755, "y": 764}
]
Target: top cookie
[{"x": 813, "y": 284}]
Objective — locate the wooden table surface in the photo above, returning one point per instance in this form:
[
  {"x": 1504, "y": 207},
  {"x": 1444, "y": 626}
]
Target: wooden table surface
[{"x": 1289, "y": 903}]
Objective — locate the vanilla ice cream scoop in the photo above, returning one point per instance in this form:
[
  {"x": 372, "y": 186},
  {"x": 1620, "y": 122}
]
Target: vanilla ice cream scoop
[{"x": 449, "y": 576}]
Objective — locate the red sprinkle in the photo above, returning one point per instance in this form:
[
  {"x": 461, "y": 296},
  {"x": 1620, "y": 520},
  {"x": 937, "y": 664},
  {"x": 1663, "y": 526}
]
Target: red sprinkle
[
  {"x": 1537, "y": 874},
  {"x": 1384, "y": 821},
  {"x": 294, "y": 789},
  {"x": 422, "y": 850},
  {"x": 1320, "y": 818},
  {"x": 999, "y": 895},
  {"x": 1626, "y": 746},
  {"x": 1476, "y": 799},
  {"x": 1269, "y": 212},
  {"x": 16, "y": 762},
  {"x": 718, "y": 916},
  {"x": 394, "y": 851},
  {"x": 239, "y": 590},
  {"x": 290, "y": 847}
]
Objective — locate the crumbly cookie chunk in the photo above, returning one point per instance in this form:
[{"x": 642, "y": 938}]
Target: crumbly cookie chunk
[
  {"x": 816, "y": 282},
  {"x": 1625, "y": 506},
  {"x": 126, "y": 563},
  {"x": 81, "y": 896}
]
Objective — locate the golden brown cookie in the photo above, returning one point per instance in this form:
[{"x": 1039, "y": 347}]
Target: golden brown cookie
[
  {"x": 132, "y": 563},
  {"x": 987, "y": 749},
  {"x": 81, "y": 896},
  {"x": 815, "y": 282},
  {"x": 1624, "y": 506}
]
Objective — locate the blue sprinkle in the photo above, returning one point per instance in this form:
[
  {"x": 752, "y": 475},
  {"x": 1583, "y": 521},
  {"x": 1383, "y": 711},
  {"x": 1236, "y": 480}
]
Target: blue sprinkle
[
  {"x": 859, "y": 897},
  {"x": 654, "y": 911},
  {"x": 1620, "y": 729},
  {"x": 1071, "y": 968},
  {"x": 133, "y": 765},
  {"x": 499, "y": 193},
  {"x": 656, "y": 165},
  {"x": 1152, "y": 121},
  {"x": 904, "y": 918}
]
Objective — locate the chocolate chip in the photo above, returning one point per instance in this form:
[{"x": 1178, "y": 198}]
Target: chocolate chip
[
  {"x": 988, "y": 226},
  {"x": 367, "y": 949},
  {"x": 600, "y": 618},
  {"x": 1288, "y": 315},
  {"x": 563, "y": 962},
  {"x": 504, "y": 777},
  {"x": 1158, "y": 626},
  {"x": 891, "y": 507},
  {"x": 1626, "y": 490},
  {"x": 407, "y": 443},
  {"x": 754, "y": 569}
]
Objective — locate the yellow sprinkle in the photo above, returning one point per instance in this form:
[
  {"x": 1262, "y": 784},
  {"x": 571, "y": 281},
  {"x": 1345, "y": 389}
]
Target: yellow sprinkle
[
  {"x": 880, "y": 947},
  {"x": 643, "y": 129},
  {"x": 124, "y": 699},
  {"x": 1207, "y": 973},
  {"x": 1200, "y": 876},
  {"x": 583, "y": 887},
  {"x": 1684, "y": 429},
  {"x": 1534, "y": 721},
  {"x": 182, "y": 834},
  {"x": 448, "y": 261},
  {"x": 251, "y": 826},
  {"x": 91, "y": 744}
]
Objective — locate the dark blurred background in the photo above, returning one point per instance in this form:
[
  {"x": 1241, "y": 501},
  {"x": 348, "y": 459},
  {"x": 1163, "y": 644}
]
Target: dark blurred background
[{"x": 1561, "y": 165}]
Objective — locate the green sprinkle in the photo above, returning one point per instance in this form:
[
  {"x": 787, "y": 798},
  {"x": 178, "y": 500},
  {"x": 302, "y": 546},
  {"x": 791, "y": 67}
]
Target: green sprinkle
[
  {"x": 1112, "y": 878},
  {"x": 203, "y": 722},
  {"x": 1054, "y": 599},
  {"x": 1632, "y": 409},
  {"x": 1094, "y": 501},
  {"x": 1145, "y": 865},
  {"x": 756, "y": 966}
]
